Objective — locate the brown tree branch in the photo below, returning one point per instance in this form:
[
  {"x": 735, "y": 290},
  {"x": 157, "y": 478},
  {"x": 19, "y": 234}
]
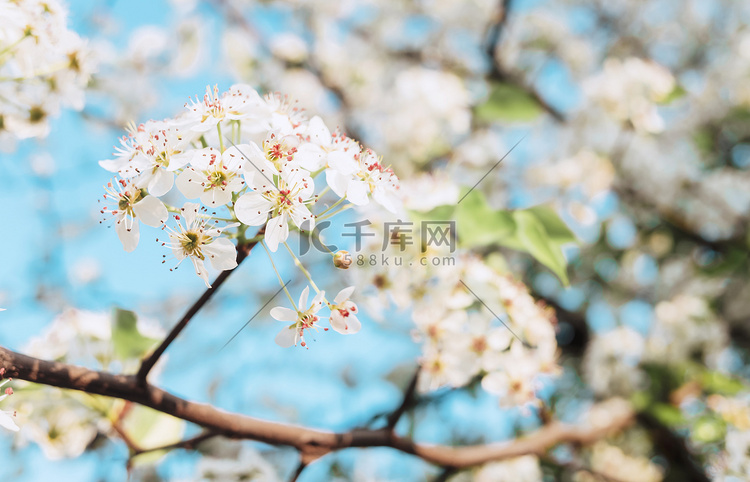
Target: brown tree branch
[
  {"x": 407, "y": 402},
  {"x": 148, "y": 363},
  {"x": 311, "y": 443}
]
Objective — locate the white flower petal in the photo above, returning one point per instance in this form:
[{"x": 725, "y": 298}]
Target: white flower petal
[
  {"x": 310, "y": 156},
  {"x": 318, "y": 132},
  {"x": 234, "y": 158},
  {"x": 337, "y": 182},
  {"x": 112, "y": 165},
  {"x": 277, "y": 230},
  {"x": 160, "y": 183},
  {"x": 343, "y": 162},
  {"x": 387, "y": 199},
  {"x": 252, "y": 208},
  {"x": 200, "y": 270},
  {"x": 303, "y": 298},
  {"x": 317, "y": 302},
  {"x": 346, "y": 325},
  {"x": 151, "y": 211},
  {"x": 356, "y": 193},
  {"x": 302, "y": 217},
  {"x": 222, "y": 253},
  {"x": 283, "y": 314},
  {"x": 205, "y": 158},
  {"x": 344, "y": 295},
  {"x": 178, "y": 161},
  {"x": 216, "y": 197},
  {"x": 128, "y": 232},
  {"x": 6, "y": 421},
  {"x": 189, "y": 183},
  {"x": 286, "y": 337}
]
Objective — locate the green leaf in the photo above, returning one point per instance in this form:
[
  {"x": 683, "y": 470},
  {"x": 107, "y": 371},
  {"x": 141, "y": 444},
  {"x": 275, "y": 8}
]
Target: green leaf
[
  {"x": 537, "y": 230},
  {"x": 705, "y": 140},
  {"x": 534, "y": 237},
  {"x": 677, "y": 93},
  {"x": 127, "y": 340},
  {"x": 708, "y": 429},
  {"x": 477, "y": 224},
  {"x": 508, "y": 102},
  {"x": 667, "y": 414},
  {"x": 553, "y": 225},
  {"x": 715, "y": 382},
  {"x": 440, "y": 213}
]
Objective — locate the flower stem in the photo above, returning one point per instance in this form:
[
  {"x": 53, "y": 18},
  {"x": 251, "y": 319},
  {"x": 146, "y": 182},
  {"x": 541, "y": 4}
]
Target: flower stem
[
  {"x": 221, "y": 138},
  {"x": 263, "y": 243},
  {"x": 343, "y": 208},
  {"x": 333, "y": 206},
  {"x": 323, "y": 192},
  {"x": 303, "y": 269}
]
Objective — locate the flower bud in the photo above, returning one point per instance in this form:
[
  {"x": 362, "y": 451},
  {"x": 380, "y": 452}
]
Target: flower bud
[{"x": 342, "y": 259}]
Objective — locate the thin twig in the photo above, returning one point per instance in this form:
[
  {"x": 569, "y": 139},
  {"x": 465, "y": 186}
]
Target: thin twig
[
  {"x": 298, "y": 471},
  {"x": 189, "y": 444},
  {"x": 407, "y": 402},
  {"x": 242, "y": 252}
]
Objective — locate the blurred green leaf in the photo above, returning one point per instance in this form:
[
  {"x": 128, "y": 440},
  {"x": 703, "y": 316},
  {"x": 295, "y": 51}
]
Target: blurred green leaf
[
  {"x": 478, "y": 224},
  {"x": 148, "y": 428},
  {"x": 539, "y": 244},
  {"x": 508, "y": 102},
  {"x": 667, "y": 414},
  {"x": 715, "y": 382},
  {"x": 708, "y": 429},
  {"x": 705, "y": 140},
  {"x": 727, "y": 263},
  {"x": 538, "y": 230},
  {"x": 127, "y": 340},
  {"x": 677, "y": 93},
  {"x": 553, "y": 225}
]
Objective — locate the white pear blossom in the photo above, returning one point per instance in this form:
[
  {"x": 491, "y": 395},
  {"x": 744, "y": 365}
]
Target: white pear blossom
[
  {"x": 630, "y": 89},
  {"x": 277, "y": 156},
  {"x": 213, "y": 176},
  {"x": 287, "y": 199},
  {"x": 344, "y": 313},
  {"x": 361, "y": 176},
  {"x": 239, "y": 102},
  {"x": 323, "y": 149},
  {"x": 43, "y": 66},
  {"x": 152, "y": 152},
  {"x": 251, "y": 159},
  {"x": 287, "y": 118},
  {"x": 304, "y": 318},
  {"x": 197, "y": 240},
  {"x": 128, "y": 204}
]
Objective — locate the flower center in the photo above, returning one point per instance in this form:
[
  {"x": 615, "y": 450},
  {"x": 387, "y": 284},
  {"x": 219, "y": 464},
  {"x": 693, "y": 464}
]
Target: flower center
[
  {"x": 191, "y": 243},
  {"x": 218, "y": 179}
]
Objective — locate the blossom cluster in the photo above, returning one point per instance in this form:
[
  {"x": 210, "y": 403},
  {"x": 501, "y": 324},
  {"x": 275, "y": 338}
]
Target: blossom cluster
[
  {"x": 43, "y": 66},
  {"x": 463, "y": 338},
  {"x": 630, "y": 90},
  {"x": 684, "y": 330},
  {"x": 248, "y": 160},
  {"x": 474, "y": 323}
]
